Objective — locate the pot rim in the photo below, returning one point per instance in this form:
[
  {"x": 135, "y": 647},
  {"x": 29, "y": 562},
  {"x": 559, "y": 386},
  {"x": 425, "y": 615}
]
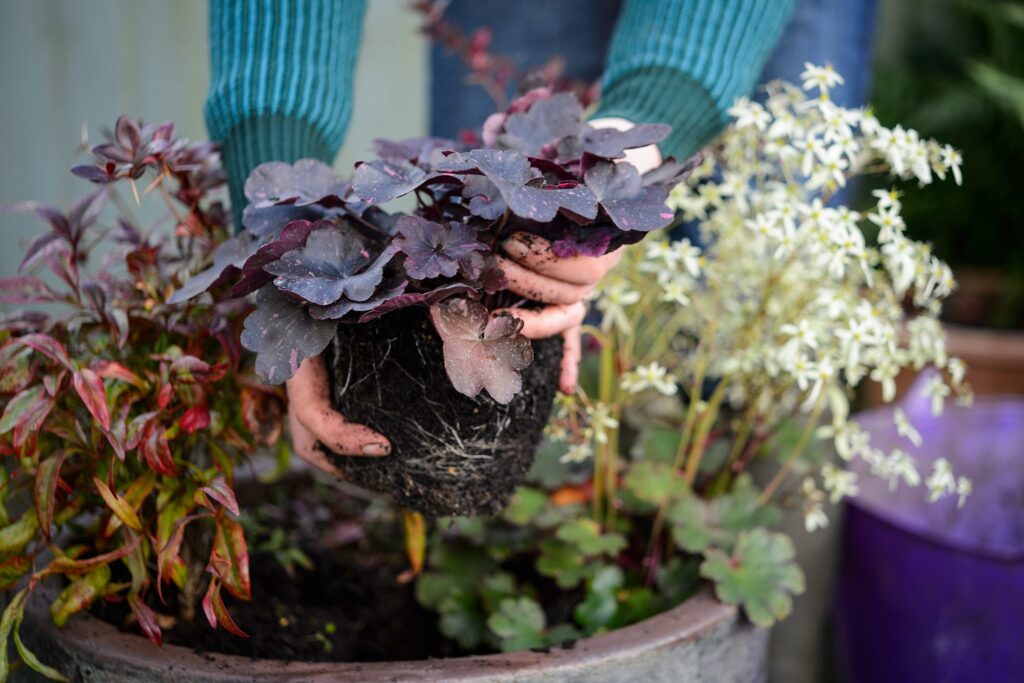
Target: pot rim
[{"x": 87, "y": 637}]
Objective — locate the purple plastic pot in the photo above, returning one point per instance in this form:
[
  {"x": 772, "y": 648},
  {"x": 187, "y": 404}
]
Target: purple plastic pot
[{"x": 927, "y": 592}]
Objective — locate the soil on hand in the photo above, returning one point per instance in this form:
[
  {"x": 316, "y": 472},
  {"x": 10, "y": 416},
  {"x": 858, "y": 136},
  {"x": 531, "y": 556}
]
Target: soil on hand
[{"x": 450, "y": 454}]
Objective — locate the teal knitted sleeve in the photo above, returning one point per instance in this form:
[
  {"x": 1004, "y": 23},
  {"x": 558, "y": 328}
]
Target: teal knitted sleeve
[
  {"x": 684, "y": 62},
  {"x": 280, "y": 81}
]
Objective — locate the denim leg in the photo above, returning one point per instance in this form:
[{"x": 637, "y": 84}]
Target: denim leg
[
  {"x": 529, "y": 32},
  {"x": 836, "y": 32}
]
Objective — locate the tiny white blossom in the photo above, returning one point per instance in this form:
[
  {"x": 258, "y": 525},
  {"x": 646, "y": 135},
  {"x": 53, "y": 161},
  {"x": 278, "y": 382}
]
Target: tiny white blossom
[
  {"x": 838, "y": 482},
  {"x": 577, "y": 453},
  {"x": 652, "y": 376}
]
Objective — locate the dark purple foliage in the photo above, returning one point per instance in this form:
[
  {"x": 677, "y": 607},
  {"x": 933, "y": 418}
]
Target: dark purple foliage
[
  {"x": 612, "y": 144},
  {"x": 307, "y": 181},
  {"x": 435, "y": 249},
  {"x": 629, "y": 203},
  {"x": 283, "y": 335}
]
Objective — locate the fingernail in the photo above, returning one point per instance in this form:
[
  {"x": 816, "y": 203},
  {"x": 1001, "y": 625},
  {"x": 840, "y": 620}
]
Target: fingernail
[
  {"x": 376, "y": 449},
  {"x": 513, "y": 246}
]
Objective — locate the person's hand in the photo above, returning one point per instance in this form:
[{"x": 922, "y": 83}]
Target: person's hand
[
  {"x": 536, "y": 273},
  {"x": 315, "y": 424}
]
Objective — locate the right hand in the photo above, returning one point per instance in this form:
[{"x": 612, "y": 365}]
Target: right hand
[{"x": 315, "y": 424}]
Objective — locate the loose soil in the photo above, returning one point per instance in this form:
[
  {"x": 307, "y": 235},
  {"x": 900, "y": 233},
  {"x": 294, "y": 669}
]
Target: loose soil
[{"x": 451, "y": 454}]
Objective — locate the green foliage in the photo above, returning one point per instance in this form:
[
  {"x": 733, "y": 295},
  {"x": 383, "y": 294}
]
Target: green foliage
[{"x": 760, "y": 575}]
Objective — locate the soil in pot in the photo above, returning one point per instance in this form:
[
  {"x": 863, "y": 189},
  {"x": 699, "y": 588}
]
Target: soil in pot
[{"x": 451, "y": 454}]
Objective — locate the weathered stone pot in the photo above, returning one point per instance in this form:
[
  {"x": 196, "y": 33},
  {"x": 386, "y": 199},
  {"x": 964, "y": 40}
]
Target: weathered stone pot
[{"x": 700, "y": 640}]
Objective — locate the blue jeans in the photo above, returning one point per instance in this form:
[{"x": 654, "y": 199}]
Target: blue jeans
[{"x": 530, "y": 32}]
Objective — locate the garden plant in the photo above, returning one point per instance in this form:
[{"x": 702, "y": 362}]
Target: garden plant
[{"x": 718, "y": 380}]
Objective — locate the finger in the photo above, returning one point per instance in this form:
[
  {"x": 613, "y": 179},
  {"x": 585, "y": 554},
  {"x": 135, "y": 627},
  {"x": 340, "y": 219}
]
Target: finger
[
  {"x": 536, "y": 287},
  {"x": 550, "y": 320},
  {"x": 309, "y": 402},
  {"x": 534, "y": 253},
  {"x": 304, "y": 444},
  {"x": 571, "y": 353}
]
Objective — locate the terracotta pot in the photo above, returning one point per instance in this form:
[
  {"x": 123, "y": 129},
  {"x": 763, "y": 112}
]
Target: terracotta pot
[{"x": 700, "y": 640}]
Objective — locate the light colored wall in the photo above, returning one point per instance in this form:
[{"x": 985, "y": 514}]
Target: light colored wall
[{"x": 65, "y": 63}]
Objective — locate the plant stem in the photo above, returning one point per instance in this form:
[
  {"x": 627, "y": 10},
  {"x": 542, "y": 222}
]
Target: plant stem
[
  {"x": 805, "y": 437},
  {"x": 703, "y": 428}
]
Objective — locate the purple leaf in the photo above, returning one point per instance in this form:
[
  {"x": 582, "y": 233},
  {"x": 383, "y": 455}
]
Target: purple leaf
[
  {"x": 481, "y": 352},
  {"x": 543, "y": 125},
  {"x": 253, "y": 274},
  {"x": 673, "y": 172},
  {"x": 383, "y": 180},
  {"x": 612, "y": 144},
  {"x": 25, "y": 289},
  {"x": 228, "y": 258},
  {"x": 629, "y": 204},
  {"x": 270, "y": 220},
  {"x": 510, "y": 173},
  {"x": 283, "y": 334},
  {"x": 385, "y": 292},
  {"x": 412, "y": 149},
  {"x": 94, "y": 174},
  {"x": 417, "y": 299},
  {"x": 593, "y": 241},
  {"x": 307, "y": 181},
  {"x": 332, "y": 264},
  {"x": 434, "y": 249}
]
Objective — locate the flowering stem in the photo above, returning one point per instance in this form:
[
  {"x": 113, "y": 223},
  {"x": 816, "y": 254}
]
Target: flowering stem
[
  {"x": 703, "y": 428},
  {"x": 805, "y": 437}
]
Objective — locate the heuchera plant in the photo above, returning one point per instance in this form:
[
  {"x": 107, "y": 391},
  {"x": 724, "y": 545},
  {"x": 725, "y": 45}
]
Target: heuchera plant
[
  {"x": 125, "y": 416},
  {"x": 320, "y": 251}
]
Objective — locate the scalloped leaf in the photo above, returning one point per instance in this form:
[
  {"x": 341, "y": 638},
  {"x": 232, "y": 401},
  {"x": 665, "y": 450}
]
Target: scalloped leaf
[
  {"x": 382, "y": 180},
  {"x": 283, "y": 334},
  {"x": 759, "y": 576},
  {"x": 228, "y": 259},
  {"x": 332, "y": 264},
  {"x": 629, "y": 204},
  {"x": 436, "y": 249},
  {"x": 482, "y": 352},
  {"x": 519, "y": 623},
  {"x": 611, "y": 143},
  {"x": 307, "y": 181},
  {"x": 543, "y": 125},
  {"x": 253, "y": 273}
]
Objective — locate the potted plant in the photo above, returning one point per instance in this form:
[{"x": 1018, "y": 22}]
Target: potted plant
[{"x": 706, "y": 360}]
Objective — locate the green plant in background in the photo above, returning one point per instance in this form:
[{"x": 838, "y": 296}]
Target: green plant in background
[
  {"x": 712, "y": 365},
  {"x": 123, "y": 418},
  {"x": 958, "y": 74}
]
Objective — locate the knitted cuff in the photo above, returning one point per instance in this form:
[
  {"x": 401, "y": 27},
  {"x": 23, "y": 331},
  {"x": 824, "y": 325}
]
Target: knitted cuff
[{"x": 664, "y": 95}]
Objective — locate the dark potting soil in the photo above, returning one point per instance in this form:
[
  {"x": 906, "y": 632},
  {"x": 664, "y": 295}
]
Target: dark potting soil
[{"x": 450, "y": 454}]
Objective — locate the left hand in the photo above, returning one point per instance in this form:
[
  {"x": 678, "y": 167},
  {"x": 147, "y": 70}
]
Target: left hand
[{"x": 536, "y": 273}]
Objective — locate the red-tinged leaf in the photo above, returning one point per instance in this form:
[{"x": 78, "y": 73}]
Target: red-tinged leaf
[
  {"x": 135, "y": 495},
  {"x": 80, "y": 594},
  {"x": 229, "y": 559},
  {"x": 217, "y": 613},
  {"x": 170, "y": 534},
  {"x": 219, "y": 490},
  {"x": 90, "y": 388},
  {"x": 190, "y": 369},
  {"x": 14, "y": 537},
  {"x": 146, "y": 618},
  {"x": 157, "y": 452},
  {"x": 47, "y": 476},
  {"x": 12, "y": 569},
  {"x": 118, "y": 505},
  {"x": 25, "y": 414},
  {"x": 70, "y": 565},
  {"x": 194, "y": 419},
  {"x": 48, "y": 346},
  {"x": 137, "y": 430},
  {"x": 25, "y": 290},
  {"x": 15, "y": 368},
  {"x": 115, "y": 437},
  {"x": 37, "y": 250},
  {"x": 163, "y": 399},
  {"x": 108, "y": 369}
]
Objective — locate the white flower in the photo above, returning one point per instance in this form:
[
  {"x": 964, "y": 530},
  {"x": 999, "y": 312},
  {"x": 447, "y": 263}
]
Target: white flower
[
  {"x": 601, "y": 421},
  {"x": 941, "y": 481},
  {"x": 652, "y": 376},
  {"x": 952, "y": 159},
  {"x": 938, "y": 391},
  {"x": 579, "y": 452},
  {"x": 688, "y": 255},
  {"x": 838, "y": 482},
  {"x": 963, "y": 489},
  {"x": 904, "y": 428},
  {"x": 957, "y": 370},
  {"x": 824, "y": 78},
  {"x": 613, "y": 302}
]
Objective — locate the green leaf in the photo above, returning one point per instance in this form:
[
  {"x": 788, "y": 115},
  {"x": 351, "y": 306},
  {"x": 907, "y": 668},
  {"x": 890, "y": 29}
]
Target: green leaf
[
  {"x": 461, "y": 619},
  {"x": 740, "y": 511},
  {"x": 19, "y": 406},
  {"x": 760, "y": 576},
  {"x": 10, "y": 620},
  {"x": 688, "y": 520},
  {"x": 657, "y": 443},
  {"x": 561, "y": 561},
  {"x": 12, "y": 569},
  {"x": 653, "y": 482},
  {"x": 30, "y": 659},
  {"x": 585, "y": 534},
  {"x": 45, "y": 489},
  {"x": 678, "y": 580},
  {"x": 562, "y": 633},
  {"x": 525, "y": 505},
  {"x": 599, "y": 608},
  {"x": 495, "y": 588},
  {"x": 79, "y": 594},
  {"x": 14, "y": 537},
  {"x": 519, "y": 624}
]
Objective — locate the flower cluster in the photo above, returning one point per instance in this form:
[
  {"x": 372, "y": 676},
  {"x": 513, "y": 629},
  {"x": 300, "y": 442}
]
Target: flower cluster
[{"x": 793, "y": 299}]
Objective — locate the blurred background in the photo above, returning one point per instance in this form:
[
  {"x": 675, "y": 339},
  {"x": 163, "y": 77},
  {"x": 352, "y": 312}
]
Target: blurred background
[{"x": 952, "y": 69}]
